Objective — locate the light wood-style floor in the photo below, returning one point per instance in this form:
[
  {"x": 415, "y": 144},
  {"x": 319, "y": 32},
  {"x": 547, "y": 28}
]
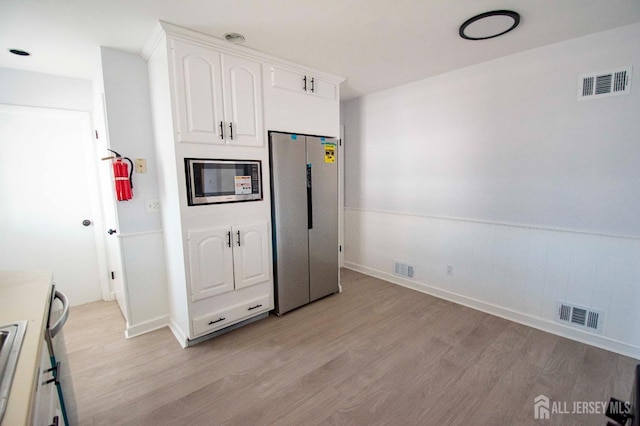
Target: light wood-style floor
[{"x": 377, "y": 353}]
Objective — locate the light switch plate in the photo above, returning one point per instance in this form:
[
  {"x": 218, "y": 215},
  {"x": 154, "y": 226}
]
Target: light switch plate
[{"x": 152, "y": 206}]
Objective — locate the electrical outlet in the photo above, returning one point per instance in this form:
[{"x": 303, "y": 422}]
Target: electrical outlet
[
  {"x": 141, "y": 165},
  {"x": 450, "y": 270},
  {"x": 153, "y": 206}
]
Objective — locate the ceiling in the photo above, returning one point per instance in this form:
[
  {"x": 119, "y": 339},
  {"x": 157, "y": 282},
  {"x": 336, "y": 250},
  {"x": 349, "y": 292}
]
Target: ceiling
[{"x": 375, "y": 44}]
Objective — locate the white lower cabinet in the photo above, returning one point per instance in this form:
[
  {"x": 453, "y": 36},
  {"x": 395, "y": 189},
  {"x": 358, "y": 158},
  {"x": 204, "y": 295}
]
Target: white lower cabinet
[
  {"x": 230, "y": 275},
  {"x": 47, "y": 405},
  {"x": 224, "y": 259}
]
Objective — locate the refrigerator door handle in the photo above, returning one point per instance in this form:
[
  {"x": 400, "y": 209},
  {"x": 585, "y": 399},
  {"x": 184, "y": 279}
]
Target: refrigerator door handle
[{"x": 309, "y": 198}]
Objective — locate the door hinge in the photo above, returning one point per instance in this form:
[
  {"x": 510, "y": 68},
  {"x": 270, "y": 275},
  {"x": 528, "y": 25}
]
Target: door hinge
[{"x": 113, "y": 276}]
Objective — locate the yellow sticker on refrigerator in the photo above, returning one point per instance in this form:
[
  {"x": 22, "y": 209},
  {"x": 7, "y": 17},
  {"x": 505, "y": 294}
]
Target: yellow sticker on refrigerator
[{"x": 329, "y": 153}]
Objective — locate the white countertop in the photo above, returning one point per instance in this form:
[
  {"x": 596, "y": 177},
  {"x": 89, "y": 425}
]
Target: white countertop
[{"x": 25, "y": 295}]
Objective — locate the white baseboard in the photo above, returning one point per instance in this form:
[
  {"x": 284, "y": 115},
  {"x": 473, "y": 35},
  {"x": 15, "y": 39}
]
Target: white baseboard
[
  {"x": 146, "y": 327},
  {"x": 179, "y": 335},
  {"x": 511, "y": 315}
]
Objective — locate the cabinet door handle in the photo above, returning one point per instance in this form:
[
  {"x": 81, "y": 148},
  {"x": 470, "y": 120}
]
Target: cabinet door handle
[
  {"x": 221, "y": 131},
  {"x": 229, "y": 239},
  {"x": 218, "y": 320},
  {"x": 56, "y": 421},
  {"x": 231, "y": 131},
  {"x": 313, "y": 84},
  {"x": 55, "y": 373},
  {"x": 304, "y": 79},
  {"x": 254, "y": 307},
  {"x": 238, "y": 238}
]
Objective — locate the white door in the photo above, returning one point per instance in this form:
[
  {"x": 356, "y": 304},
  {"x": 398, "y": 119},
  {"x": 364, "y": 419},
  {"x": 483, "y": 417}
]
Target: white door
[{"x": 46, "y": 192}]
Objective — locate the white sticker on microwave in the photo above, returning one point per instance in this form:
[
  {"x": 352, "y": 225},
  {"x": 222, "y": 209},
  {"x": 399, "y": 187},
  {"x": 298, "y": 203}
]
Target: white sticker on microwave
[{"x": 243, "y": 185}]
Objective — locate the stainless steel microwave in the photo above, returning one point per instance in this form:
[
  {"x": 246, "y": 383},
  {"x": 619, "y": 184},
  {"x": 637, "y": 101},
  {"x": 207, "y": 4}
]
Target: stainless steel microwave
[{"x": 212, "y": 181}]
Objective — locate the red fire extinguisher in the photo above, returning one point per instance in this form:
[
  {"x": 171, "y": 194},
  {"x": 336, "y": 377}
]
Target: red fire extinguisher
[{"x": 122, "y": 177}]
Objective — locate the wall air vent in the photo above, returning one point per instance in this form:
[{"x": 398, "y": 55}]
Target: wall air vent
[
  {"x": 403, "y": 270},
  {"x": 577, "y": 316},
  {"x": 604, "y": 84}
]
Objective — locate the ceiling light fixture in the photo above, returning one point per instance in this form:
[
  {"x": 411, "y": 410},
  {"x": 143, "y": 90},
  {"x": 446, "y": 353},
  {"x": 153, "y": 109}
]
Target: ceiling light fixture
[
  {"x": 19, "y": 52},
  {"x": 489, "y": 25},
  {"x": 234, "y": 38}
]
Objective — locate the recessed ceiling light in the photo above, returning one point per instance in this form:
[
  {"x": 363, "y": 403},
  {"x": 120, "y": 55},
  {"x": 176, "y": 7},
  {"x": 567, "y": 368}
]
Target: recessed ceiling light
[
  {"x": 234, "y": 38},
  {"x": 19, "y": 52},
  {"x": 489, "y": 25}
]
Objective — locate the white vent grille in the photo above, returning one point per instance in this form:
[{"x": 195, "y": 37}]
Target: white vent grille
[
  {"x": 403, "y": 269},
  {"x": 604, "y": 84},
  {"x": 576, "y": 316}
]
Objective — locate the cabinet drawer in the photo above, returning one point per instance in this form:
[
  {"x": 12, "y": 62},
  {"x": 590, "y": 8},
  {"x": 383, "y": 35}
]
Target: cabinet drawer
[{"x": 230, "y": 315}]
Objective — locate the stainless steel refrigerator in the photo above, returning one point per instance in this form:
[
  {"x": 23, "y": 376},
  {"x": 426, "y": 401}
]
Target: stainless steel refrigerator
[{"x": 304, "y": 197}]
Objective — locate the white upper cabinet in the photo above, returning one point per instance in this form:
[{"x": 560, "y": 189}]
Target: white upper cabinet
[
  {"x": 303, "y": 83},
  {"x": 301, "y": 101},
  {"x": 218, "y": 96},
  {"x": 243, "y": 101},
  {"x": 198, "y": 90}
]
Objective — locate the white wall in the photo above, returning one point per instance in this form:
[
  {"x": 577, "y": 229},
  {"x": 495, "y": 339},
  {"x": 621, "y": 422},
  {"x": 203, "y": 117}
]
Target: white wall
[
  {"x": 128, "y": 112},
  {"x": 28, "y": 88},
  {"x": 130, "y": 133},
  {"x": 498, "y": 171}
]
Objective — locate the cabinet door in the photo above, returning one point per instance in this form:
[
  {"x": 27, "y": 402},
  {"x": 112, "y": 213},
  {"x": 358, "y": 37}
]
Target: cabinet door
[
  {"x": 243, "y": 101},
  {"x": 198, "y": 93},
  {"x": 210, "y": 262},
  {"x": 288, "y": 80},
  {"x": 303, "y": 83},
  {"x": 322, "y": 88},
  {"x": 251, "y": 254}
]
